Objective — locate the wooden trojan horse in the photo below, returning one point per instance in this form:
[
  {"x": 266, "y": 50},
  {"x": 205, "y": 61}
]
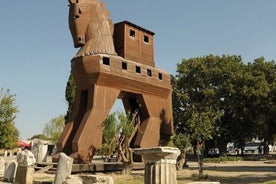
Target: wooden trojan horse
[{"x": 103, "y": 75}]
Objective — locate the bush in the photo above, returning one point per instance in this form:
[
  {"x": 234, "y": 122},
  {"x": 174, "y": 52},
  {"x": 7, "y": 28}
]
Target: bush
[{"x": 222, "y": 159}]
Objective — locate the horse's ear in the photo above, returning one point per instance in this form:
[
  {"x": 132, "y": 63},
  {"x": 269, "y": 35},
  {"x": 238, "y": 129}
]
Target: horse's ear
[{"x": 73, "y": 1}]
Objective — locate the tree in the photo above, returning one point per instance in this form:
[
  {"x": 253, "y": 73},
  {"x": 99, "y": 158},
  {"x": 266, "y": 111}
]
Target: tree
[
  {"x": 126, "y": 126},
  {"x": 248, "y": 106},
  {"x": 54, "y": 128},
  {"x": 237, "y": 99},
  {"x": 117, "y": 133},
  {"x": 196, "y": 98},
  {"x": 8, "y": 132},
  {"x": 265, "y": 106},
  {"x": 203, "y": 127},
  {"x": 182, "y": 142},
  {"x": 39, "y": 136},
  {"x": 110, "y": 131}
]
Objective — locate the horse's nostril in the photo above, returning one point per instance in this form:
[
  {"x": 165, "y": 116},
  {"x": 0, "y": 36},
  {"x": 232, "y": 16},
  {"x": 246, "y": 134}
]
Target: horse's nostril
[{"x": 79, "y": 39}]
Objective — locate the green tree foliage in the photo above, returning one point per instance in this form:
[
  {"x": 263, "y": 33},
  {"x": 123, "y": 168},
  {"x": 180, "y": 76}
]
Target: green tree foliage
[
  {"x": 222, "y": 99},
  {"x": 195, "y": 99},
  {"x": 8, "y": 132},
  {"x": 126, "y": 124},
  {"x": 39, "y": 136},
  {"x": 117, "y": 124},
  {"x": 70, "y": 95},
  {"x": 265, "y": 106},
  {"x": 54, "y": 128},
  {"x": 182, "y": 142},
  {"x": 110, "y": 131},
  {"x": 117, "y": 132},
  {"x": 237, "y": 98}
]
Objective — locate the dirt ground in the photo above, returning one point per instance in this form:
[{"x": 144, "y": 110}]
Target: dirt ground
[{"x": 238, "y": 172}]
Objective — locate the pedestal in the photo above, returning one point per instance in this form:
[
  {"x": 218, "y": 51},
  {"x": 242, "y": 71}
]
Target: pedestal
[{"x": 160, "y": 164}]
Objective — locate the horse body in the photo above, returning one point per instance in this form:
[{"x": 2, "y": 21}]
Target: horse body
[{"x": 100, "y": 80}]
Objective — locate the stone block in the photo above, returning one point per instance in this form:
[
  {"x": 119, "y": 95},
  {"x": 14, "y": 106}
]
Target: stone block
[
  {"x": 10, "y": 168},
  {"x": 24, "y": 175},
  {"x": 64, "y": 168},
  {"x": 25, "y": 158},
  {"x": 2, "y": 166},
  {"x": 40, "y": 149},
  {"x": 89, "y": 179},
  {"x": 73, "y": 180},
  {"x": 97, "y": 179}
]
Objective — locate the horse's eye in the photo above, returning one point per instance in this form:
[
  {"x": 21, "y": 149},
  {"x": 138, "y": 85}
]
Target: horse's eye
[{"x": 76, "y": 16}]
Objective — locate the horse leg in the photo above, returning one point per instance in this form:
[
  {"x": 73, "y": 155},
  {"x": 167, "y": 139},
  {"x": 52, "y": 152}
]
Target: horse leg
[
  {"x": 158, "y": 121},
  {"x": 64, "y": 143},
  {"x": 88, "y": 136}
]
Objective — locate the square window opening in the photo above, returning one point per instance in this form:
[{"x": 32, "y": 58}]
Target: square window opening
[
  {"x": 160, "y": 76},
  {"x": 149, "y": 72},
  {"x": 146, "y": 39},
  {"x": 138, "y": 69},
  {"x": 106, "y": 61},
  {"x": 124, "y": 65},
  {"x": 132, "y": 33}
]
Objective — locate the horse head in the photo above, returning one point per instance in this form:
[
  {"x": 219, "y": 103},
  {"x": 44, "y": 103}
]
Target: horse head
[
  {"x": 90, "y": 26},
  {"x": 78, "y": 20}
]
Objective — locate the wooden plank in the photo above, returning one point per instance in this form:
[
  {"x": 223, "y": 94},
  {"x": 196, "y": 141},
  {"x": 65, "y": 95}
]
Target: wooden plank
[
  {"x": 97, "y": 167},
  {"x": 103, "y": 167},
  {"x": 44, "y": 169}
]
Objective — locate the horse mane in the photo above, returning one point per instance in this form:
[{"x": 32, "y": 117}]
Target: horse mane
[
  {"x": 107, "y": 14},
  {"x": 101, "y": 27}
]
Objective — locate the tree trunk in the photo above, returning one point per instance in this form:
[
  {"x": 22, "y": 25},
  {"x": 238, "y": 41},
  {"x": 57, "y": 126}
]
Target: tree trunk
[
  {"x": 200, "y": 155},
  {"x": 128, "y": 163},
  {"x": 181, "y": 159},
  {"x": 127, "y": 158}
]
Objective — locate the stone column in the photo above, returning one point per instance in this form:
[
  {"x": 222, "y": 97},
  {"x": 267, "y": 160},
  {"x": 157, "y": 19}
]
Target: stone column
[{"x": 160, "y": 164}]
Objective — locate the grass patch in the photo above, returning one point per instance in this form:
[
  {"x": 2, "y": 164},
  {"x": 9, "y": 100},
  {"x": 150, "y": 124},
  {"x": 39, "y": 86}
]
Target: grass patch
[
  {"x": 271, "y": 182},
  {"x": 124, "y": 181},
  {"x": 222, "y": 159},
  {"x": 128, "y": 179}
]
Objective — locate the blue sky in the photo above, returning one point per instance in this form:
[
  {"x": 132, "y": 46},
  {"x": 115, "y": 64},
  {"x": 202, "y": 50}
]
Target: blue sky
[{"x": 36, "y": 45}]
